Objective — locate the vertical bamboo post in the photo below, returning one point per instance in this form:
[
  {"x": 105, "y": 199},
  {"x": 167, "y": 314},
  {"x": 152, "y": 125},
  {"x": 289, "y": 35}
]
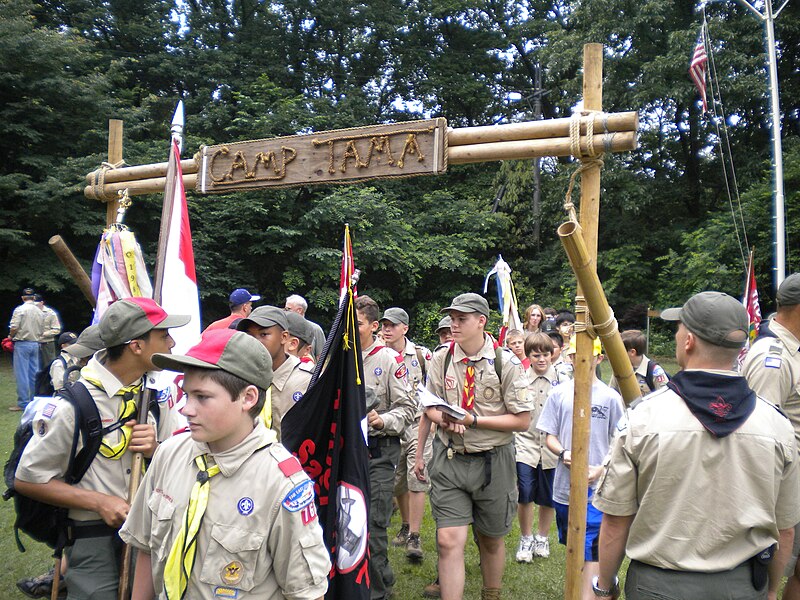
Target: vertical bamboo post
[
  {"x": 114, "y": 156},
  {"x": 582, "y": 404}
]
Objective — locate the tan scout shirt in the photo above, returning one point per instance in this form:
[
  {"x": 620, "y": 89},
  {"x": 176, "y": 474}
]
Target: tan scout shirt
[
  {"x": 289, "y": 383},
  {"x": 28, "y": 322},
  {"x": 701, "y": 503},
  {"x": 47, "y": 454},
  {"x": 660, "y": 378},
  {"x": 59, "y": 367},
  {"x": 772, "y": 369},
  {"x": 385, "y": 374},
  {"x": 416, "y": 370},
  {"x": 52, "y": 326},
  {"x": 492, "y": 397},
  {"x": 531, "y": 445},
  {"x": 254, "y": 542}
]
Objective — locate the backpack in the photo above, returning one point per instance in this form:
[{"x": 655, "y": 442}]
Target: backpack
[
  {"x": 43, "y": 386},
  {"x": 41, "y": 521}
]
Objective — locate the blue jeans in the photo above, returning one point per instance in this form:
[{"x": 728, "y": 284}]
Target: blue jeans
[{"x": 26, "y": 366}]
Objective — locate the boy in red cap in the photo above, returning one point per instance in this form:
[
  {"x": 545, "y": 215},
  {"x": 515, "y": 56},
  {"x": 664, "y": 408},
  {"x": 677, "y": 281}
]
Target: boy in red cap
[{"x": 228, "y": 493}]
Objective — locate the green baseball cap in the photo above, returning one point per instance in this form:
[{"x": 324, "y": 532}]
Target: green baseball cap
[
  {"x": 299, "y": 327},
  {"x": 265, "y": 316},
  {"x": 128, "y": 319},
  {"x": 789, "y": 291},
  {"x": 715, "y": 317},
  {"x": 227, "y": 350},
  {"x": 88, "y": 343},
  {"x": 469, "y": 303},
  {"x": 395, "y": 315},
  {"x": 445, "y": 323}
]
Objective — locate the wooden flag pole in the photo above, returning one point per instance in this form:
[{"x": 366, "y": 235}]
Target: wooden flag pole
[
  {"x": 582, "y": 404},
  {"x": 73, "y": 267},
  {"x": 114, "y": 158}
]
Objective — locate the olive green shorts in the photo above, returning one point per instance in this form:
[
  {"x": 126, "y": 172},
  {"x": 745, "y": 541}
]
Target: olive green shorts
[
  {"x": 460, "y": 494},
  {"x": 404, "y": 479}
]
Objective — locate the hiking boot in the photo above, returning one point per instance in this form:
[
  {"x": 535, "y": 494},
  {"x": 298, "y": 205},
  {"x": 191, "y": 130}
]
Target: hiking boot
[
  {"x": 402, "y": 536},
  {"x": 414, "y": 547},
  {"x": 432, "y": 590},
  {"x": 41, "y": 586},
  {"x": 541, "y": 547},
  {"x": 525, "y": 549}
]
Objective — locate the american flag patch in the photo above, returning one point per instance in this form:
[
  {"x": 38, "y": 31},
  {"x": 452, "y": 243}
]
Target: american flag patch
[{"x": 48, "y": 410}]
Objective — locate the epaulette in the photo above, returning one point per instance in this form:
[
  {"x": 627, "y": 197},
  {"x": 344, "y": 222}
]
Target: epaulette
[
  {"x": 648, "y": 397},
  {"x": 308, "y": 367},
  {"x": 375, "y": 350},
  {"x": 288, "y": 463},
  {"x": 302, "y": 492},
  {"x": 775, "y": 406}
]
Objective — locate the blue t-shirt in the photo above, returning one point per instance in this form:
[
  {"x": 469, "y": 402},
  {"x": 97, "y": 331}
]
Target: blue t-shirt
[{"x": 556, "y": 419}]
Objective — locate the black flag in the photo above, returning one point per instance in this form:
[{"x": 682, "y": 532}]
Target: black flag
[{"x": 326, "y": 430}]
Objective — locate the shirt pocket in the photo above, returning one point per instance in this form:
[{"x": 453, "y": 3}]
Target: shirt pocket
[
  {"x": 232, "y": 558},
  {"x": 162, "y": 510}
]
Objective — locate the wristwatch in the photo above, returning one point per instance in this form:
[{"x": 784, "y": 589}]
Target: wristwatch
[
  {"x": 600, "y": 592},
  {"x": 474, "y": 424},
  {"x": 561, "y": 454}
]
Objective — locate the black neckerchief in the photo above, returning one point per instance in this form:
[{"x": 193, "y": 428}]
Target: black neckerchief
[{"x": 722, "y": 403}]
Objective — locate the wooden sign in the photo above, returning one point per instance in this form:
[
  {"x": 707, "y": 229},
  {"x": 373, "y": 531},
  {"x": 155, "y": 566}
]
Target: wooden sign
[{"x": 339, "y": 156}]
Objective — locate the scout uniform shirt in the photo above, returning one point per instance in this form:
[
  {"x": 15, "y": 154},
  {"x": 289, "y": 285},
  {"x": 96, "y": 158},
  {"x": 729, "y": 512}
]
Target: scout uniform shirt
[
  {"x": 385, "y": 374},
  {"x": 660, "y": 378},
  {"x": 260, "y": 536},
  {"x": 58, "y": 368},
  {"x": 28, "y": 320},
  {"x": 492, "y": 397},
  {"x": 47, "y": 454},
  {"x": 772, "y": 370},
  {"x": 701, "y": 503},
  {"x": 289, "y": 383},
  {"x": 531, "y": 445},
  {"x": 51, "y": 327},
  {"x": 411, "y": 357}
]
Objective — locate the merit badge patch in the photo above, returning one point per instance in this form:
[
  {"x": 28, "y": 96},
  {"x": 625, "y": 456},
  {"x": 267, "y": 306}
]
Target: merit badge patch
[
  {"x": 299, "y": 497},
  {"x": 773, "y": 362},
  {"x": 232, "y": 573},
  {"x": 42, "y": 428},
  {"x": 245, "y": 506},
  {"x": 378, "y": 371},
  {"x": 297, "y": 396},
  {"x": 401, "y": 371},
  {"x": 225, "y": 592},
  {"x": 488, "y": 392},
  {"x": 48, "y": 410},
  {"x": 449, "y": 383}
]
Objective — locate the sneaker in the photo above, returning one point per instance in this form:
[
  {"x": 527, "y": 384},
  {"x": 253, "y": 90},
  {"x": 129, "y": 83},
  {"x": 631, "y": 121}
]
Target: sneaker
[
  {"x": 541, "y": 547},
  {"x": 41, "y": 586},
  {"x": 432, "y": 590},
  {"x": 414, "y": 547},
  {"x": 525, "y": 550},
  {"x": 402, "y": 536}
]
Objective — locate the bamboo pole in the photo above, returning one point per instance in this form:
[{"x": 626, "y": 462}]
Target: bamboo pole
[
  {"x": 582, "y": 403},
  {"x": 114, "y": 157},
  {"x": 73, "y": 267},
  {"x": 141, "y": 187},
  {"x": 604, "y": 323},
  {"x": 140, "y": 172},
  {"x": 518, "y": 150},
  {"x": 533, "y": 130}
]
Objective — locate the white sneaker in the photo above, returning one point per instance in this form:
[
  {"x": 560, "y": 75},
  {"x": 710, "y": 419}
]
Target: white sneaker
[
  {"x": 525, "y": 550},
  {"x": 541, "y": 547}
]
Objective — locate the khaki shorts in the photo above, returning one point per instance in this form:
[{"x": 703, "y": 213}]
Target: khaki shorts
[
  {"x": 404, "y": 478},
  {"x": 459, "y": 496}
]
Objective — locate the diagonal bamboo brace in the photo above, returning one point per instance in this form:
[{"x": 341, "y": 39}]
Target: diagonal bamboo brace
[{"x": 605, "y": 324}]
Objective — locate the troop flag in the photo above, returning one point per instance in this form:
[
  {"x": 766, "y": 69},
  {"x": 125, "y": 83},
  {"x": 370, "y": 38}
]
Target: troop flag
[
  {"x": 327, "y": 431},
  {"x": 697, "y": 66},
  {"x": 348, "y": 267},
  {"x": 750, "y": 301},
  {"x": 506, "y": 297}
]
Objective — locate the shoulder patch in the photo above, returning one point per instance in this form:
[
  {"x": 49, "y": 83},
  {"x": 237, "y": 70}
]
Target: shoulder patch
[
  {"x": 299, "y": 497},
  {"x": 48, "y": 410},
  {"x": 773, "y": 362},
  {"x": 401, "y": 371},
  {"x": 515, "y": 360}
]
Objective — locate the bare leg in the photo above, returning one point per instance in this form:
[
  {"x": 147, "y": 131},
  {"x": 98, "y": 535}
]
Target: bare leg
[
  {"x": 590, "y": 569},
  {"x": 546, "y": 516},
  {"x": 416, "y": 509},
  {"x": 493, "y": 560},
  {"x": 525, "y": 516},
  {"x": 451, "y": 542}
]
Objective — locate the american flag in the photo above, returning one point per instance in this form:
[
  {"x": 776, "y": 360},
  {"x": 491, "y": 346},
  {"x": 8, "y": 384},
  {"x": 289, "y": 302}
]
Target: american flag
[{"x": 697, "y": 67}]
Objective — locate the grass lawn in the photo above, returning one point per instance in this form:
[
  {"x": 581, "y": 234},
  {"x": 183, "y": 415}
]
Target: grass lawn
[{"x": 542, "y": 580}]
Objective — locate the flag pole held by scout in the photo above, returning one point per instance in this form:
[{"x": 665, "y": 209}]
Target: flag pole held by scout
[{"x": 137, "y": 461}]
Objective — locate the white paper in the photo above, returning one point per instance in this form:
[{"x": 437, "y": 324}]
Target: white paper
[{"x": 430, "y": 400}]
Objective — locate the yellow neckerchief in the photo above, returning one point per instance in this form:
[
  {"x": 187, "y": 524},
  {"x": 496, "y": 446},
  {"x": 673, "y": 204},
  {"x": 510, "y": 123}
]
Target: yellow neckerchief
[
  {"x": 127, "y": 411},
  {"x": 266, "y": 411},
  {"x": 181, "y": 557}
]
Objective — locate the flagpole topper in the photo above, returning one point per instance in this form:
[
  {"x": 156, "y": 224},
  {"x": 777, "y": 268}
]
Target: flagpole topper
[{"x": 177, "y": 125}]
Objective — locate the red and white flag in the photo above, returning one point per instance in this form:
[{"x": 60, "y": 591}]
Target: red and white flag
[
  {"x": 348, "y": 266},
  {"x": 750, "y": 301},
  {"x": 697, "y": 67}
]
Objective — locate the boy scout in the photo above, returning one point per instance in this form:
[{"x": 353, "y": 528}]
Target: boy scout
[
  {"x": 702, "y": 482},
  {"x": 473, "y": 471},
  {"x": 132, "y": 331},
  {"x": 291, "y": 377},
  {"x": 409, "y": 491},
  {"x": 227, "y": 493},
  {"x": 649, "y": 375},
  {"x": 394, "y": 409},
  {"x": 772, "y": 369},
  {"x": 301, "y": 336}
]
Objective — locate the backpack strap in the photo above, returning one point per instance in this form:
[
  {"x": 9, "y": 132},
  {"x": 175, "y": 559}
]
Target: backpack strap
[
  {"x": 498, "y": 359},
  {"x": 88, "y": 426},
  {"x": 422, "y": 366}
]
